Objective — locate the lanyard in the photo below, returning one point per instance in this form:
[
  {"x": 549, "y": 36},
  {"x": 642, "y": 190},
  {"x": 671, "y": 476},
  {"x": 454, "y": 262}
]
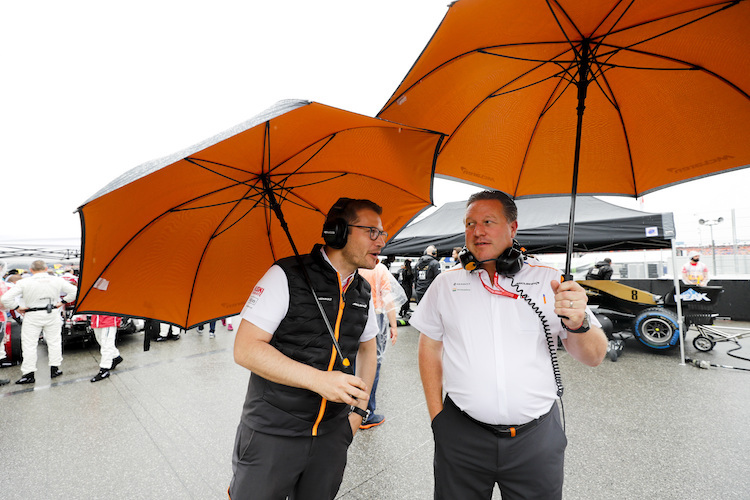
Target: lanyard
[{"x": 497, "y": 289}]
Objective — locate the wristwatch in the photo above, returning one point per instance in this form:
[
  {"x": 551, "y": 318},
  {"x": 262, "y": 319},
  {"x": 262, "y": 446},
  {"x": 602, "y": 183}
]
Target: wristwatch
[
  {"x": 365, "y": 414},
  {"x": 585, "y": 326}
]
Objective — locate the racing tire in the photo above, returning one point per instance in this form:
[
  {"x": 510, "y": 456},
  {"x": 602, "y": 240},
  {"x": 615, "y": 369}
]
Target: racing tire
[
  {"x": 703, "y": 344},
  {"x": 657, "y": 328}
]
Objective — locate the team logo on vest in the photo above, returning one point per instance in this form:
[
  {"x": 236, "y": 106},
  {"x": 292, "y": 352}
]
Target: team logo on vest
[
  {"x": 327, "y": 299},
  {"x": 359, "y": 304},
  {"x": 693, "y": 296}
]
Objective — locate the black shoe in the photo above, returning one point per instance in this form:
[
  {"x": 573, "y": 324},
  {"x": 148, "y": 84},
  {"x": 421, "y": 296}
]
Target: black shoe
[
  {"x": 4, "y": 381},
  {"x": 55, "y": 371},
  {"x": 116, "y": 362},
  {"x": 26, "y": 379},
  {"x": 173, "y": 336},
  {"x": 159, "y": 338},
  {"x": 103, "y": 373}
]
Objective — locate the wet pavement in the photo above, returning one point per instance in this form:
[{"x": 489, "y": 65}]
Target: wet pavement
[{"x": 163, "y": 425}]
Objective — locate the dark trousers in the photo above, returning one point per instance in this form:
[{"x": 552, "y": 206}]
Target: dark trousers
[
  {"x": 269, "y": 467},
  {"x": 470, "y": 459}
]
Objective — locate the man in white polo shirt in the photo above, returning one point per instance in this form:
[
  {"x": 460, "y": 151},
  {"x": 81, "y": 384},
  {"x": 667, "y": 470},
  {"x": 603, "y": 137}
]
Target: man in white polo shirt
[
  {"x": 304, "y": 403},
  {"x": 488, "y": 342}
]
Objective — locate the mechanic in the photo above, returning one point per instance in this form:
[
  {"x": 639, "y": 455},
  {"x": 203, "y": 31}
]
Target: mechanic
[
  {"x": 41, "y": 293},
  {"x": 485, "y": 344},
  {"x": 105, "y": 331},
  {"x": 602, "y": 270},
  {"x": 428, "y": 268},
  {"x": 695, "y": 272},
  {"x": 303, "y": 404}
]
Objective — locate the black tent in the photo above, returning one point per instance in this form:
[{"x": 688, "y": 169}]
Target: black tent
[{"x": 543, "y": 228}]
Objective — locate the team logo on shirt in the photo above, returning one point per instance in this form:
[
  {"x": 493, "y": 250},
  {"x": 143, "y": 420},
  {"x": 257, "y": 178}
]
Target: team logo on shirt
[
  {"x": 257, "y": 292},
  {"x": 460, "y": 287}
]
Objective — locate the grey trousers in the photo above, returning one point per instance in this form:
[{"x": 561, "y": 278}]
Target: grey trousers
[
  {"x": 470, "y": 459},
  {"x": 269, "y": 467}
]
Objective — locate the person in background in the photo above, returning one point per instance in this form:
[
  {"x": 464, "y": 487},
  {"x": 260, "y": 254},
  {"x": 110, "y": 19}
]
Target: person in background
[
  {"x": 4, "y": 318},
  {"x": 602, "y": 270},
  {"x": 387, "y": 296},
  {"x": 41, "y": 295},
  {"x": 454, "y": 256},
  {"x": 695, "y": 272},
  {"x": 303, "y": 403},
  {"x": 406, "y": 278},
  {"x": 428, "y": 268},
  {"x": 228, "y": 323},
  {"x": 211, "y": 328},
  {"x": 105, "y": 331},
  {"x": 488, "y": 342}
]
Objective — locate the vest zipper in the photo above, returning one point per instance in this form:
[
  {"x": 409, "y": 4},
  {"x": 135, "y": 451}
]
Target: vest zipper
[{"x": 332, "y": 362}]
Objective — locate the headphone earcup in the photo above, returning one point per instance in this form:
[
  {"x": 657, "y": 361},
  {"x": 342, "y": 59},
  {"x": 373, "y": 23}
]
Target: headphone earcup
[
  {"x": 335, "y": 233},
  {"x": 467, "y": 260},
  {"x": 511, "y": 260}
]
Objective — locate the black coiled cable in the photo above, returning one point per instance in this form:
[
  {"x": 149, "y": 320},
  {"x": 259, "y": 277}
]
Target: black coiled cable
[{"x": 550, "y": 343}]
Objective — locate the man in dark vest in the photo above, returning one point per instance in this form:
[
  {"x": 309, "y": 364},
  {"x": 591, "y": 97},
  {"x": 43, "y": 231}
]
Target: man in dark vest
[
  {"x": 304, "y": 403},
  {"x": 428, "y": 268}
]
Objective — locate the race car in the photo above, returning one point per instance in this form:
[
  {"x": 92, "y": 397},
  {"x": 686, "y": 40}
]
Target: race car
[{"x": 651, "y": 318}]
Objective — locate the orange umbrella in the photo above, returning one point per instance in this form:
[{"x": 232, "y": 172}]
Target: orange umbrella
[
  {"x": 183, "y": 239},
  {"x": 552, "y": 97}
]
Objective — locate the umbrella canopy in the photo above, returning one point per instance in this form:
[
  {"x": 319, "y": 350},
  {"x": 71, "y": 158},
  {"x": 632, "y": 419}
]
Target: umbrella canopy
[
  {"x": 664, "y": 86},
  {"x": 183, "y": 239}
]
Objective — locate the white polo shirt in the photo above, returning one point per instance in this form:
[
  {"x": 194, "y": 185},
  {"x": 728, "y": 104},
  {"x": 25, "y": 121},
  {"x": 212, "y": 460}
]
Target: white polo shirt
[
  {"x": 269, "y": 303},
  {"x": 496, "y": 362}
]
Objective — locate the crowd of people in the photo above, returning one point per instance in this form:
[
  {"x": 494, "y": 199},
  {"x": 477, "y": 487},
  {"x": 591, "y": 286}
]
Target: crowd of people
[{"x": 40, "y": 299}]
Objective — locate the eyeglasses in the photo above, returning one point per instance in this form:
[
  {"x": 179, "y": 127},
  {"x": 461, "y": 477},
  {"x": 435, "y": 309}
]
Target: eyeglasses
[{"x": 375, "y": 233}]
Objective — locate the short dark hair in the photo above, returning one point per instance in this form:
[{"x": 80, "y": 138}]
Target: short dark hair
[
  {"x": 347, "y": 208},
  {"x": 509, "y": 206}
]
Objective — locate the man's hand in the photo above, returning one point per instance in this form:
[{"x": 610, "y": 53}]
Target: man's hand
[
  {"x": 394, "y": 334},
  {"x": 340, "y": 387},
  {"x": 570, "y": 302}
]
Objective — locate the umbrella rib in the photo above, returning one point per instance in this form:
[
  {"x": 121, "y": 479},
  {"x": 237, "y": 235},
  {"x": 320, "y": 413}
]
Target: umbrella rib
[
  {"x": 548, "y": 105},
  {"x": 616, "y": 106},
  {"x": 723, "y": 5},
  {"x": 497, "y": 92},
  {"x": 691, "y": 67}
]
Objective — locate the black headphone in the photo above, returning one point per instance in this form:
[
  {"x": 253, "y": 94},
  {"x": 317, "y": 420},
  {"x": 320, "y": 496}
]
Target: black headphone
[
  {"x": 508, "y": 263},
  {"x": 335, "y": 228}
]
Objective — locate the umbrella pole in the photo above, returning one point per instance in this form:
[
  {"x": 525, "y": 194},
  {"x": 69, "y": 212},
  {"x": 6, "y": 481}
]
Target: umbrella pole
[
  {"x": 582, "y": 85},
  {"x": 280, "y": 216}
]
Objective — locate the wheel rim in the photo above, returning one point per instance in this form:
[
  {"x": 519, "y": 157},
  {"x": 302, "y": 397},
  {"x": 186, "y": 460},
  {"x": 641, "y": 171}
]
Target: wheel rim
[
  {"x": 702, "y": 344},
  {"x": 656, "y": 331}
]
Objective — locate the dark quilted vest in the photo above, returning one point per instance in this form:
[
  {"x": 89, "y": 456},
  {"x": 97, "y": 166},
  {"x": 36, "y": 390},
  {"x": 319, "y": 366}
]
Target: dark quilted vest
[{"x": 302, "y": 335}]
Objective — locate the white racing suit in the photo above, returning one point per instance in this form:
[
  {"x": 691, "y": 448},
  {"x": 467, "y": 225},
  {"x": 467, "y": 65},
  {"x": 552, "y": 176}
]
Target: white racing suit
[{"x": 38, "y": 291}]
